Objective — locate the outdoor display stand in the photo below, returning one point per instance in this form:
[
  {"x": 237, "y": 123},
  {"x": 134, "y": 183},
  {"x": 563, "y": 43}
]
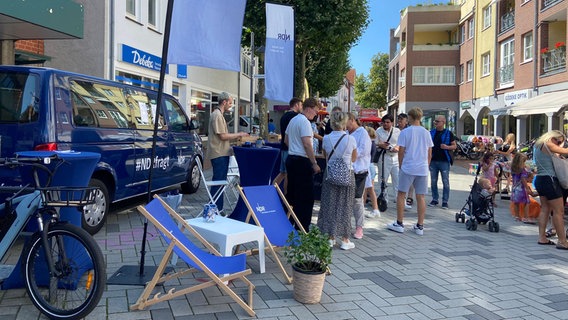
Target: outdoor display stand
[{"x": 76, "y": 171}]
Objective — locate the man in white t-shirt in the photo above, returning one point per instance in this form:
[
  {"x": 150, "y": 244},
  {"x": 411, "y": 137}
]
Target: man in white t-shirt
[
  {"x": 387, "y": 139},
  {"x": 301, "y": 164},
  {"x": 414, "y": 155}
]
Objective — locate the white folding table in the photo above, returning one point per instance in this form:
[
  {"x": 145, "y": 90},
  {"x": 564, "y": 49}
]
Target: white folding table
[{"x": 227, "y": 233}]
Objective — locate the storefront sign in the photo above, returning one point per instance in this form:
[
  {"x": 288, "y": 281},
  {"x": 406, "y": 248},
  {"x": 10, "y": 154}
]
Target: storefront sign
[
  {"x": 465, "y": 105},
  {"x": 182, "y": 71},
  {"x": 515, "y": 97},
  {"x": 201, "y": 94},
  {"x": 141, "y": 58},
  {"x": 281, "y": 107},
  {"x": 484, "y": 121},
  {"x": 369, "y": 113}
]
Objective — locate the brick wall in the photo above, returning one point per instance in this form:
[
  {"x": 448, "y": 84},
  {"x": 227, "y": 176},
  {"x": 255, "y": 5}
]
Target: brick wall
[{"x": 32, "y": 46}]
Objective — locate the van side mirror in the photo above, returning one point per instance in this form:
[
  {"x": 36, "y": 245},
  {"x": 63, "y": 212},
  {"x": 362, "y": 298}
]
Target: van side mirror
[{"x": 193, "y": 125}]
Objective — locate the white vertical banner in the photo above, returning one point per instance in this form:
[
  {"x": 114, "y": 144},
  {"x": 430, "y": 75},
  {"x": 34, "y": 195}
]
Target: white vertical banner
[{"x": 279, "y": 53}]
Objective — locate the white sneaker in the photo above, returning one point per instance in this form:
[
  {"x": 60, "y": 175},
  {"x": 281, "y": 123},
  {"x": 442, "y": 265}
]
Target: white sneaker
[
  {"x": 347, "y": 245},
  {"x": 418, "y": 231},
  {"x": 407, "y": 206},
  {"x": 374, "y": 214},
  {"x": 331, "y": 242},
  {"x": 395, "y": 227}
]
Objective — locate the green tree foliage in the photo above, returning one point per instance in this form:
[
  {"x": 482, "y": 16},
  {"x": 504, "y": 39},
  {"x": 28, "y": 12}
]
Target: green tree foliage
[
  {"x": 371, "y": 90},
  {"x": 325, "y": 30}
]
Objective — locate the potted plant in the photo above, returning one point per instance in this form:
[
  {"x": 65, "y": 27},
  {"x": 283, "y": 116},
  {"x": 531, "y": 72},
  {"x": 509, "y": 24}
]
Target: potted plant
[{"x": 310, "y": 255}]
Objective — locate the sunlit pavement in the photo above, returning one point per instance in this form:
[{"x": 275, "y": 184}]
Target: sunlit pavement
[{"x": 448, "y": 273}]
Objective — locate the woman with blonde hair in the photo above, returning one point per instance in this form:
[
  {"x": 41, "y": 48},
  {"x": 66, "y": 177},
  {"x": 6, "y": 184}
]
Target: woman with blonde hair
[
  {"x": 334, "y": 217},
  {"x": 552, "y": 195}
]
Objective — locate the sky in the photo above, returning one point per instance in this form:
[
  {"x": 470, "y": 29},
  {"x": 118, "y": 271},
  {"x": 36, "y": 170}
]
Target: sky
[{"x": 384, "y": 15}]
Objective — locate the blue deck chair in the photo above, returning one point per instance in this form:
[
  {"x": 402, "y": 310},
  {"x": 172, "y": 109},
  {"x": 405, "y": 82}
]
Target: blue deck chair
[
  {"x": 166, "y": 220},
  {"x": 266, "y": 208}
]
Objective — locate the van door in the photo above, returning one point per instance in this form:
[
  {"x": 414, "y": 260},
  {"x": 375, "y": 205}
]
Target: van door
[
  {"x": 144, "y": 108},
  {"x": 183, "y": 143}
]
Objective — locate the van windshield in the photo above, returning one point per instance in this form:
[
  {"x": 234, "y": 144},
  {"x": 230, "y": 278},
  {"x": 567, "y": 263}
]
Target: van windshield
[{"x": 19, "y": 97}]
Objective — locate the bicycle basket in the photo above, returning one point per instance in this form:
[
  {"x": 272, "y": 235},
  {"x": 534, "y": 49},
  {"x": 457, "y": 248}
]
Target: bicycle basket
[{"x": 68, "y": 196}]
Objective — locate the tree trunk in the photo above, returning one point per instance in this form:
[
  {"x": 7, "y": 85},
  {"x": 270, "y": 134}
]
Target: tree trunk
[{"x": 262, "y": 103}]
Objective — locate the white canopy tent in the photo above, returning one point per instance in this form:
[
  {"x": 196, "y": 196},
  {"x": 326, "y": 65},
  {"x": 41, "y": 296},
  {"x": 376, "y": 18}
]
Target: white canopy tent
[{"x": 552, "y": 102}]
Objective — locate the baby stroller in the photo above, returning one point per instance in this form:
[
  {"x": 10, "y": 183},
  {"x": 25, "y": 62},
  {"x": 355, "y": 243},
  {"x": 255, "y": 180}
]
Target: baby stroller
[{"x": 478, "y": 208}]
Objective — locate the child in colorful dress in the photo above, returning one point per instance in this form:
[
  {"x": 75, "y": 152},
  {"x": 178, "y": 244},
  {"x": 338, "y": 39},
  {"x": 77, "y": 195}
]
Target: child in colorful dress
[
  {"x": 490, "y": 170},
  {"x": 534, "y": 206},
  {"x": 520, "y": 193}
]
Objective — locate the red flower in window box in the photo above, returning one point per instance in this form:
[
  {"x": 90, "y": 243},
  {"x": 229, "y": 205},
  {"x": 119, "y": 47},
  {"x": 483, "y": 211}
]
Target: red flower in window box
[
  {"x": 544, "y": 50},
  {"x": 560, "y": 44}
]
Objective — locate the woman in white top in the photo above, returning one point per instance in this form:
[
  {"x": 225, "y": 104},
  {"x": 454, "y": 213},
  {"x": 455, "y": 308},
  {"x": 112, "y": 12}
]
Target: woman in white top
[{"x": 334, "y": 217}]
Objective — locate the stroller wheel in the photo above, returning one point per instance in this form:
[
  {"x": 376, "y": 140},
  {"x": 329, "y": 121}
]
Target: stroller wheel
[
  {"x": 468, "y": 224},
  {"x": 490, "y": 226},
  {"x": 496, "y": 227},
  {"x": 473, "y": 225},
  {"x": 458, "y": 217},
  {"x": 463, "y": 217}
]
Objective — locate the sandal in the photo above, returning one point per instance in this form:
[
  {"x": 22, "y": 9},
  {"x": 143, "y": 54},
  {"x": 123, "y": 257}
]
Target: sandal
[
  {"x": 409, "y": 201},
  {"x": 550, "y": 233}
]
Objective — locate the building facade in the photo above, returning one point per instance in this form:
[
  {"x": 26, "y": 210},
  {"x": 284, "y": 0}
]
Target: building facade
[
  {"x": 123, "y": 41},
  {"x": 509, "y": 53}
]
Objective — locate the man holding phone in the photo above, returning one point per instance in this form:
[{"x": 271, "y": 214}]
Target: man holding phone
[{"x": 387, "y": 138}]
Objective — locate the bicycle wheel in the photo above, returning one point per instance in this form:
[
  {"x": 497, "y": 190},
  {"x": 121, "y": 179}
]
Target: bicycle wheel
[{"x": 76, "y": 291}]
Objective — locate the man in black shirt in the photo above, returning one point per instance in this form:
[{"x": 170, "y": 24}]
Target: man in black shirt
[{"x": 295, "y": 109}]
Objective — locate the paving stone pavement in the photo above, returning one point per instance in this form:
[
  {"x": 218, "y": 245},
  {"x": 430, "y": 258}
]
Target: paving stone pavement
[{"x": 448, "y": 273}]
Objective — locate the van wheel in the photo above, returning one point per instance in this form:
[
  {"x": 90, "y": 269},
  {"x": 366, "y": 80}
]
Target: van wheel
[
  {"x": 94, "y": 215},
  {"x": 193, "y": 179}
]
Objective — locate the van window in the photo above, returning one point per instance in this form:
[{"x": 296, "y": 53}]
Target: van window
[
  {"x": 19, "y": 97},
  {"x": 99, "y": 105},
  {"x": 143, "y": 108},
  {"x": 176, "y": 118}
]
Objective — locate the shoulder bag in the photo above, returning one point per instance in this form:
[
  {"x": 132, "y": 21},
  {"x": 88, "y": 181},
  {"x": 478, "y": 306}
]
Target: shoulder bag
[
  {"x": 560, "y": 165},
  {"x": 380, "y": 151},
  {"x": 338, "y": 172}
]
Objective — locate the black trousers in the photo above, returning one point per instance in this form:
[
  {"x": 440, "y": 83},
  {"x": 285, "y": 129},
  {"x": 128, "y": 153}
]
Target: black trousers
[{"x": 300, "y": 193}]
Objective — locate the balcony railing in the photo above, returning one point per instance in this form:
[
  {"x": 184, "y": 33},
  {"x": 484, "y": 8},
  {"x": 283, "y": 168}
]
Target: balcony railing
[
  {"x": 507, "y": 21},
  {"x": 554, "y": 59},
  {"x": 549, "y": 3},
  {"x": 506, "y": 74}
]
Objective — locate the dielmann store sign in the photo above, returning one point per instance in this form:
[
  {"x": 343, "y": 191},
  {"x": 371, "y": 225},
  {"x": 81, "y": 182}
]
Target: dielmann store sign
[{"x": 141, "y": 58}]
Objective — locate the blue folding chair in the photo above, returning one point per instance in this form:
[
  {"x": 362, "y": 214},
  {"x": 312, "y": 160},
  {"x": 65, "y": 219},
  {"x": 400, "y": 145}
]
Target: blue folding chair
[
  {"x": 167, "y": 221},
  {"x": 266, "y": 208}
]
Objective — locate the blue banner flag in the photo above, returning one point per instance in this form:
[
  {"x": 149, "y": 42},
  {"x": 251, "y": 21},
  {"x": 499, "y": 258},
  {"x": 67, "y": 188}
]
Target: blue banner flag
[
  {"x": 279, "y": 53},
  {"x": 207, "y": 33}
]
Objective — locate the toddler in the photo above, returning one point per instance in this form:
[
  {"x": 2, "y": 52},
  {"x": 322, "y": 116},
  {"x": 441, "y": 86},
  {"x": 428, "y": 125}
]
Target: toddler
[{"x": 520, "y": 193}]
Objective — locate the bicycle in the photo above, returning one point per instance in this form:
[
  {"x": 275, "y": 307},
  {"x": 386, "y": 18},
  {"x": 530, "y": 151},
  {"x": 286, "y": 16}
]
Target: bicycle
[{"x": 62, "y": 265}]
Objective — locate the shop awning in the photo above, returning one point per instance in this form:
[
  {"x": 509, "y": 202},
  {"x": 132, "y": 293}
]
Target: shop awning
[
  {"x": 500, "y": 111},
  {"x": 551, "y": 102},
  {"x": 39, "y": 19}
]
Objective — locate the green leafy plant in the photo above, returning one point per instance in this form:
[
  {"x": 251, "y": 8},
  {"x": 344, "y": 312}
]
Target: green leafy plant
[{"x": 308, "y": 252}]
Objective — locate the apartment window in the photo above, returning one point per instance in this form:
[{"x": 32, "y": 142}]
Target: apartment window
[
  {"x": 402, "y": 79},
  {"x": 528, "y": 47},
  {"x": 462, "y": 33},
  {"x": 434, "y": 75},
  {"x": 469, "y": 66},
  {"x": 131, "y": 7},
  {"x": 462, "y": 73},
  {"x": 486, "y": 64},
  {"x": 508, "y": 53},
  {"x": 471, "y": 25},
  {"x": 487, "y": 17},
  {"x": 152, "y": 13}
]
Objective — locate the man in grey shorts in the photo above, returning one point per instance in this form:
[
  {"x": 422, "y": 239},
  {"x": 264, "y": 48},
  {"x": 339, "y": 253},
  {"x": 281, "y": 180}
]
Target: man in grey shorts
[{"x": 414, "y": 154}]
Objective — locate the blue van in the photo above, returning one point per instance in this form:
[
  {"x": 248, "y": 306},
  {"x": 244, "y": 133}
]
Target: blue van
[{"x": 48, "y": 109}]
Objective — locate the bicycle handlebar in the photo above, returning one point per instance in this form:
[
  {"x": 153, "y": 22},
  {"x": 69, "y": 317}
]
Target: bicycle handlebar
[{"x": 36, "y": 163}]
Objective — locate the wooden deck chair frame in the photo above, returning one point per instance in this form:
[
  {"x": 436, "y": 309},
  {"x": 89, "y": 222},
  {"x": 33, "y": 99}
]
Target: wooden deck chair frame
[
  {"x": 158, "y": 278},
  {"x": 291, "y": 214}
]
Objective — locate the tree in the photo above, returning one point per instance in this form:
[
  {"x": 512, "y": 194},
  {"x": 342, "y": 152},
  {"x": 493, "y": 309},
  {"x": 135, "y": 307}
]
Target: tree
[
  {"x": 371, "y": 91},
  {"x": 324, "y": 30},
  {"x": 327, "y": 75}
]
